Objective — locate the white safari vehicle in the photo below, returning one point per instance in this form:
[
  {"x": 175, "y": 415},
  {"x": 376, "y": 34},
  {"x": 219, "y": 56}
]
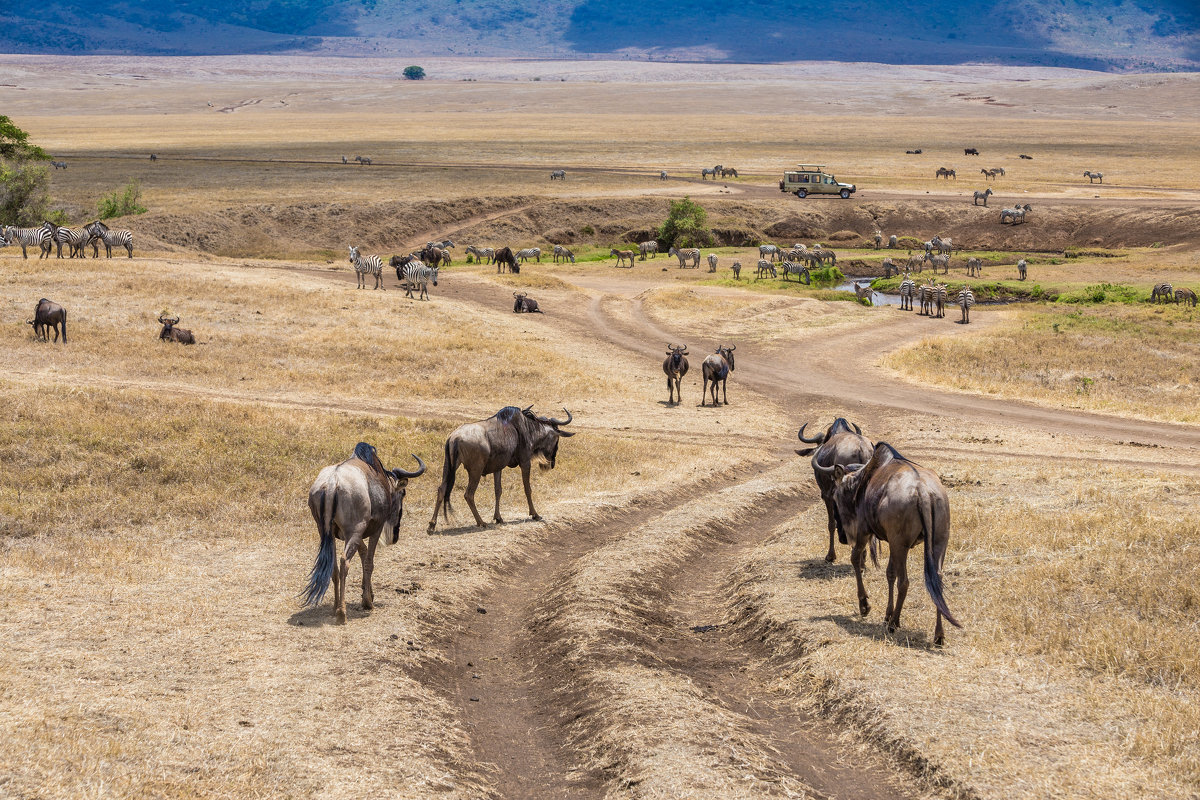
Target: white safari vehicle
[{"x": 809, "y": 179}]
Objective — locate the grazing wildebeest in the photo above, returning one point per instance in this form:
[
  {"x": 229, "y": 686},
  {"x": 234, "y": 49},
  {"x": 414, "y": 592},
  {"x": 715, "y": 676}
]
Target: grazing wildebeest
[
  {"x": 170, "y": 333},
  {"x": 505, "y": 258},
  {"x": 525, "y": 304},
  {"x": 1182, "y": 295},
  {"x": 46, "y": 315},
  {"x": 892, "y": 499},
  {"x": 355, "y": 501},
  {"x": 716, "y": 369},
  {"x": 675, "y": 366},
  {"x": 512, "y": 437},
  {"x": 970, "y": 151},
  {"x": 984, "y": 195},
  {"x": 622, "y": 255},
  {"x": 558, "y": 175},
  {"x": 843, "y": 443}
]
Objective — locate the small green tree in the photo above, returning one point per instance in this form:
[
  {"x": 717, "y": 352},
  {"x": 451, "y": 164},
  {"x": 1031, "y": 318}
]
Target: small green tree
[
  {"x": 24, "y": 182},
  {"x": 414, "y": 73},
  {"x": 685, "y": 226},
  {"x": 14, "y": 143},
  {"x": 122, "y": 202}
]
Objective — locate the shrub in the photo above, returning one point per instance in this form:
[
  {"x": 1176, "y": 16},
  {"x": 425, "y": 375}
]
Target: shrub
[
  {"x": 826, "y": 276},
  {"x": 910, "y": 243},
  {"x": 122, "y": 202},
  {"x": 588, "y": 230},
  {"x": 414, "y": 73},
  {"x": 685, "y": 226},
  {"x": 24, "y": 195}
]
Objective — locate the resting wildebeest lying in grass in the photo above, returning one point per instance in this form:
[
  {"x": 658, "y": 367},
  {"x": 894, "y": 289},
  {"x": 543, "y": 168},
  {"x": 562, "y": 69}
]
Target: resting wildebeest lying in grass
[
  {"x": 525, "y": 304},
  {"x": 46, "y": 315},
  {"x": 893, "y": 499},
  {"x": 354, "y": 501},
  {"x": 512, "y": 437},
  {"x": 170, "y": 333},
  {"x": 843, "y": 443}
]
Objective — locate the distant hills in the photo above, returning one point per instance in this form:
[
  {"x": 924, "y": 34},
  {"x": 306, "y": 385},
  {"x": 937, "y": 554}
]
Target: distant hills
[{"x": 1097, "y": 34}]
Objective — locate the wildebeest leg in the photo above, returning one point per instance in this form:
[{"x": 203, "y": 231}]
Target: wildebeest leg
[
  {"x": 724, "y": 391},
  {"x": 891, "y": 578},
  {"x": 529, "y": 492},
  {"x": 831, "y": 556},
  {"x": 670, "y": 390},
  {"x": 497, "y": 516},
  {"x": 472, "y": 484},
  {"x": 899, "y": 557},
  {"x": 343, "y": 569},
  {"x": 857, "y": 557},
  {"x": 704, "y": 391},
  {"x": 368, "y": 562}
]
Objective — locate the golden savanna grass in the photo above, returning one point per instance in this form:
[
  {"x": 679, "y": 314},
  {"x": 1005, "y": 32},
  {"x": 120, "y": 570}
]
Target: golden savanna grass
[{"x": 1075, "y": 675}]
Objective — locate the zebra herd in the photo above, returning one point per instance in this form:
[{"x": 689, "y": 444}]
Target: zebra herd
[
  {"x": 718, "y": 171},
  {"x": 414, "y": 274},
  {"x": 49, "y": 235},
  {"x": 932, "y": 297}
]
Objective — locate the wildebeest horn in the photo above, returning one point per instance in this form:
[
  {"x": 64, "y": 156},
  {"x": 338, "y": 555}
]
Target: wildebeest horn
[
  {"x": 399, "y": 473},
  {"x": 857, "y": 429},
  {"x": 821, "y": 467},
  {"x": 819, "y": 440},
  {"x": 731, "y": 348},
  {"x": 556, "y": 423}
]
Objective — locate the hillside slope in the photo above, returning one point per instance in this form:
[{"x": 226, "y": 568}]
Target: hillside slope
[{"x": 1098, "y": 34}]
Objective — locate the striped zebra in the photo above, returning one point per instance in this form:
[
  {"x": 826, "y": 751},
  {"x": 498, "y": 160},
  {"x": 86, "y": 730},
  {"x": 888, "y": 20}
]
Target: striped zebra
[
  {"x": 528, "y": 253},
  {"x": 908, "y": 289},
  {"x": 974, "y": 267},
  {"x": 939, "y": 299},
  {"x": 662, "y": 175},
  {"x": 685, "y": 255},
  {"x": 99, "y": 232},
  {"x": 712, "y": 262},
  {"x": 364, "y": 265},
  {"x": 74, "y": 238},
  {"x": 966, "y": 299},
  {"x": 1022, "y": 266},
  {"x": 647, "y": 248},
  {"x": 485, "y": 255},
  {"x": 822, "y": 255},
  {"x": 1094, "y": 176},
  {"x": 768, "y": 251},
  {"x": 704, "y": 173},
  {"x": 1185, "y": 295},
  {"x": 1161, "y": 293},
  {"x": 29, "y": 237},
  {"x": 926, "y": 293},
  {"x": 622, "y": 256},
  {"x": 563, "y": 253},
  {"x": 764, "y": 267},
  {"x": 558, "y": 175},
  {"x": 418, "y": 276},
  {"x": 938, "y": 261},
  {"x": 800, "y": 271},
  {"x": 737, "y": 270}
]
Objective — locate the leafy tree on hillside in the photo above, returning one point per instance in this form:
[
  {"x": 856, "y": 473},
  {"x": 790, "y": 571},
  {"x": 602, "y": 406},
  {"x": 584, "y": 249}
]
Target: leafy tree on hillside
[
  {"x": 24, "y": 180},
  {"x": 685, "y": 226},
  {"x": 414, "y": 73}
]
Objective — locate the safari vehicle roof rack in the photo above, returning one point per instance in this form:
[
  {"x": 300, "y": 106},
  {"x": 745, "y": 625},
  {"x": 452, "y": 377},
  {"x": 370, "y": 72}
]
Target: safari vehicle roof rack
[{"x": 810, "y": 167}]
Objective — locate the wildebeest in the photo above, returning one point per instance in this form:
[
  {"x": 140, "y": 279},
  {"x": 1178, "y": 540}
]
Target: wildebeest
[
  {"x": 525, "y": 304},
  {"x": 716, "y": 369},
  {"x": 512, "y": 437},
  {"x": 504, "y": 258},
  {"x": 970, "y": 151},
  {"x": 843, "y": 443},
  {"x": 400, "y": 262},
  {"x": 46, "y": 315},
  {"x": 170, "y": 333},
  {"x": 354, "y": 501},
  {"x": 675, "y": 366},
  {"x": 1027, "y": 158},
  {"x": 892, "y": 499}
]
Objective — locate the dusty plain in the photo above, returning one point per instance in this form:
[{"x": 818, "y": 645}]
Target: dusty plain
[{"x": 671, "y": 629}]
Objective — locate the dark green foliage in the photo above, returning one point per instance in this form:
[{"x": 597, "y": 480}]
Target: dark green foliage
[
  {"x": 122, "y": 202},
  {"x": 414, "y": 73},
  {"x": 826, "y": 276},
  {"x": 685, "y": 226},
  {"x": 24, "y": 183},
  {"x": 14, "y": 143}
]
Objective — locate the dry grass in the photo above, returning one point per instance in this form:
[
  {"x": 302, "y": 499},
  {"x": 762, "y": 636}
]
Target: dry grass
[
  {"x": 1135, "y": 360},
  {"x": 1069, "y": 680}
]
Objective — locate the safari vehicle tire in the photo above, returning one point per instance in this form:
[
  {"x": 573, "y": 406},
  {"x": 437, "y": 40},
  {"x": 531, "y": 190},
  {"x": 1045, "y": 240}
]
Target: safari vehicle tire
[
  {"x": 845, "y": 193},
  {"x": 802, "y": 193}
]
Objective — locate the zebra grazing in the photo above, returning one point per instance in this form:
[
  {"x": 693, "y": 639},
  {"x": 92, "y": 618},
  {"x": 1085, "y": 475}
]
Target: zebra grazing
[
  {"x": 728, "y": 171},
  {"x": 800, "y": 271},
  {"x": 685, "y": 255},
  {"x": 764, "y": 267},
  {"x": 893, "y": 241},
  {"x": 938, "y": 261},
  {"x": 528, "y": 253},
  {"x": 966, "y": 299},
  {"x": 712, "y": 262},
  {"x": 484, "y": 255},
  {"x": 975, "y": 267},
  {"x": 563, "y": 253},
  {"x": 419, "y": 276},
  {"x": 908, "y": 288},
  {"x": 890, "y": 268},
  {"x": 1015, "y": 215},
  {"x": 998, "y": 171},
  {"x": 1027, "y": 158},
  {"x": 1161, "y": 293},
  {"x": 98, "y": 231},
  {"x": 864, "y": 292},
  {"x": 558, "y": 175},
  {"x": 27, "y": 237},
  {"x": 647, "y": 248},
  {"x": 364, "y": 265},
  {"x": 622, "y": 256},
  {"x": 362, "y": 160},
  {"x": 737, "y": 270},
  {"x": 942, "y": 172},
  {"x": 1185, "y": 295},
  {"x": 939, "y": 299},
  {"x": 1094, "y": 176},
  {"x": 1022, "y": 266},
  {"x": 984, "y": 195},
  {"x": 822, "y": 255},
  {"x": 74, "y": 238}
]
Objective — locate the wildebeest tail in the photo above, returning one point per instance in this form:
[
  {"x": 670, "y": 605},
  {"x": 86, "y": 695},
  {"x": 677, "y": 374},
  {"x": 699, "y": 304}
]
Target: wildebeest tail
[
  {"x": 933, "y": 577},
  {"x": 322, "y": 571},
  {"x": 449, "y": 467},
  {"x": 64, "y": 326}
]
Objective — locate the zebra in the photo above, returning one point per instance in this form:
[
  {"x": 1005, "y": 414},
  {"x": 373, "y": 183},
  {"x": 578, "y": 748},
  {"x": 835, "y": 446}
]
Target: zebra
[
  {"x": 1021, "y": 267},
  {"x": 712, "y": 262},
  {"x": 942, "y": 172},
  {"x": 966, "y": 299},
  {"x": 1027, "y": 158},
  {"x": 367, "y": 264},
  {"x": 530, "y": 252},
  {"x": 944, "y": 246},
  {"x": 558, "y": 175},
  {"x": 925, "y": 296},
  {"x": 989, "y": 173},
  {"x": 563, "y": 253},
  {"x": 622, "y": 256},
  {"x": 975, "y": 267},
  {"x": 98, "y": 231},
  {"x": 727, "y": 171},
  {"x": 362, "y": 160},
  {"x": 998, "y": 171},
  {"x": 685, "y": 255},
  {"x": 418, "y": 276},
  {"x": 984, "y": 195},
  {"x": 704, "y": 173},
  {"x": 1161, "y": 292},
  {"x": 792, "y": 268},
  {"x": 764, "y": 267},
  {"x": 908, "y": 288},
  {"x": 1094, "y": 176},
  {"x": 27, "y": 237},
  {"x": 916, "y": 263},
  {"x": 864, "y": 292},
  {"x": 649, "y": 247},
  {"x": 939, "y": 299},
  {"x": 1185, "y": 295},
  {"x": 74, "y": 238},
  {"x": 737, "y": 270},
  {"x": 58, "y": 164},
  {"x": 822, "y": 255},
  {"x": 1015, "y": 215},
  {"x": 153, "y": 157},
  {"x": 345, "y": 160},
  {"x": 662, "y": 175},
  {"x": 893, "y": 240},
  {"x": 482, "y": 254},
  {"x": 938, "y": 261},
  {"x": 890, "y": 268},
  {"x": 878, "y": 239},
  {"x": 768, "y": 251}
]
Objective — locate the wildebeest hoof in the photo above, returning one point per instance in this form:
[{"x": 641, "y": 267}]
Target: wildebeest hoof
[
  {"x": 939, "y": 641},
  {"x": 830, "y": 557},
  {"x": 341, "y": 617},
  {"x": 536, "y": 518},
  {"x": 892, "y": 626},
  {"x": 864, "y": 608},
  {"x": 481, "y": 526},
  {"x": 498, "y": 519}
]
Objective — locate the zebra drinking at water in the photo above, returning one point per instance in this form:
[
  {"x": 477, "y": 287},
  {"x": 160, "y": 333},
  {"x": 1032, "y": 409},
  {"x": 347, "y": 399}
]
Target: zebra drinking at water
[
  {"x": 528, "y": 253},
  {"x": 966, "y": 299},
  {"x": 26, "y": 237},
  {"x": 418, "y": 276},
  {"x": 364, "y": 265},
  {"x": 685, "y": 255},
  {"x": 647, "y": 248}
]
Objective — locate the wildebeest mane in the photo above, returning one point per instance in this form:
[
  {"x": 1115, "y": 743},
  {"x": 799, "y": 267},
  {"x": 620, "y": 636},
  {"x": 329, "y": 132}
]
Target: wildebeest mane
[{"x": 366, "y": 453}]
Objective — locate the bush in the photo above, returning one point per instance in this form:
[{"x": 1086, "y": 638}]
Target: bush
[
  {"x": 414, "y": 73},
  {"x": 909, "y": 243},
  {"x": 685, "y": 226},
  {"x": 826, "y": 276},
  {"x": 122, "y": 202},
  {"x": 24, "y": 195}
]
